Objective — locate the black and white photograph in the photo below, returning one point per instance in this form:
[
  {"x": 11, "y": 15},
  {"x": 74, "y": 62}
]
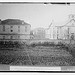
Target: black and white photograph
[{"x": 37, "y": 36}]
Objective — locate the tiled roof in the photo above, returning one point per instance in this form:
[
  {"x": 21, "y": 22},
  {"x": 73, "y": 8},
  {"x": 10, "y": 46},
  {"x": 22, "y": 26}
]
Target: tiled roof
[{"x": 13, "y": 22}]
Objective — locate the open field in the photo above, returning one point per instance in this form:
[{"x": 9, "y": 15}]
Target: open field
[{"x": 37, "y": 56}]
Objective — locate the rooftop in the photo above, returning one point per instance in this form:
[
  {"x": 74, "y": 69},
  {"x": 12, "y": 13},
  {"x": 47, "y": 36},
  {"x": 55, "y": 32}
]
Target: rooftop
[{"x": 13, "y": 22}]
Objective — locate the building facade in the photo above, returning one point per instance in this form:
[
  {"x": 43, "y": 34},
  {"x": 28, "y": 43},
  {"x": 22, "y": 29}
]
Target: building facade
[
  {"x": 39, "y": 33},
  {"x": 63, "y": 30},
  {"x": 14, "y": 29},
  {"x": 67, "y": 31},
  {"x": 51, "y": 31}
]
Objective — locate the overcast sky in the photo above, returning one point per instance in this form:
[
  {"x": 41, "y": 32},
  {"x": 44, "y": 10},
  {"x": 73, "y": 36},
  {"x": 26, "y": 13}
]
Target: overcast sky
[{"x": 38, "y": 15}]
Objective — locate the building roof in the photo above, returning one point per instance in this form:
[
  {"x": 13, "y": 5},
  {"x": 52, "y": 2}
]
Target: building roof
[
  {"x": 65, "y": 23},
  {"x": 13, "y": 22}
]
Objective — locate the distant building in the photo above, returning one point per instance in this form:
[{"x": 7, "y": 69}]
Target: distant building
[
  {"x": 39, "y": 33},
  {"x": 64, "y": 30},
  {"x": 51, "y": 32},
  {"x": 31, "y": 34},
  {"x": 14, "y": 29},
  {"x": 67, "y": 30}
]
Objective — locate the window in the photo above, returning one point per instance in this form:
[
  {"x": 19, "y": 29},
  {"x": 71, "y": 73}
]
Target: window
[
  {"x": 3, "y": 28},
  {"x": 18, "y": 28},
  {"x": 11, "y": 26},
  {"x": 3, "y": 37},
  {"x": 18, "y": 37},
  {"x": 25, "y": 28},
  {"x": 11, "y": 30},
  {"x": 11, "y": 37}
]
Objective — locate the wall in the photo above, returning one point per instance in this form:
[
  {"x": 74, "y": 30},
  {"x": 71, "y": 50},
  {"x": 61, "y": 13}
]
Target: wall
[
  {"x": 15, "y": 31},
  {"x": 39, "y": 33}
]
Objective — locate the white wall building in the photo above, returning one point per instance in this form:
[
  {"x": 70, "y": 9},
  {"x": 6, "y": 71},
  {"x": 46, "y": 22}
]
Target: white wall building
[
  {"x": 14, "y": 29},
  {"x": 39, "y": 33},
  {"x": 64, "y": 30},
  {"x": 51, "y": 32}
]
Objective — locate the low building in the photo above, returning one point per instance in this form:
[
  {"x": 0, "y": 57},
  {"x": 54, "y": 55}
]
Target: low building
[
  {"x": 14, "y": 29},
  {"x": 39, "y": 33}
]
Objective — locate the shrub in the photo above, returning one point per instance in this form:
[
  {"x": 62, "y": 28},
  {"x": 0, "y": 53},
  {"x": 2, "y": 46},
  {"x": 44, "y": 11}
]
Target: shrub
[
  {"x": 48, "y": 44},
  {"x": 60, "y": 44},
  {"x": 42, "y": 44},
  {"x": 33, "y": 45}
]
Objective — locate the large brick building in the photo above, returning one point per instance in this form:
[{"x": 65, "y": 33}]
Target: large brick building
[{"x": 14, "y": 29}]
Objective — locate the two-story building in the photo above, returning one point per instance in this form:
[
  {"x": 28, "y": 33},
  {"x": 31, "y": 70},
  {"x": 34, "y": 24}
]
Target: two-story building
[
  {"x": 64, "y": 30},
  {"x": 14, "y": 29}
]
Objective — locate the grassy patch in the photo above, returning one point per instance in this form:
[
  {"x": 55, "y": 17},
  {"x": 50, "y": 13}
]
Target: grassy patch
[{"x": 46, "y": 54}]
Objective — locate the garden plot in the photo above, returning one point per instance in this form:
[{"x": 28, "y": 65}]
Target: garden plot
[{"x": 37, "y": 56}]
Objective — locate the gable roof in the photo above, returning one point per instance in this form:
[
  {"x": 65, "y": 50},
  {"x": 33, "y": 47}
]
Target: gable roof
[
  {"x": 67, "y": 23},
  {"x": 13, "y": 22},
  {"x": 70, "y": 23}
]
